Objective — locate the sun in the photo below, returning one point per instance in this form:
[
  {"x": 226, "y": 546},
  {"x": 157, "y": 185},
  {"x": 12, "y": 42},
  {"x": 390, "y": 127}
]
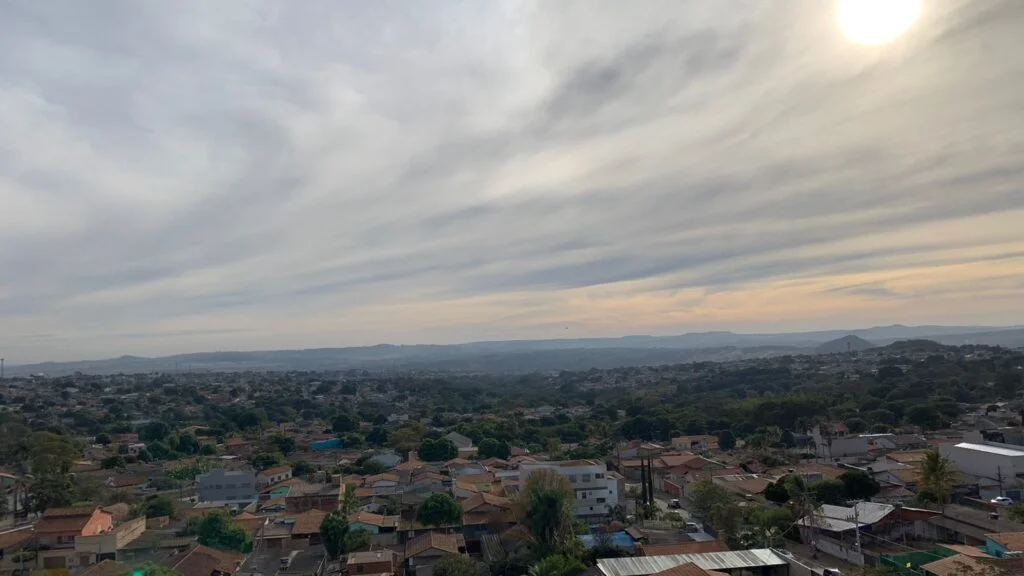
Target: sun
[{"x": 876, "y": 21}]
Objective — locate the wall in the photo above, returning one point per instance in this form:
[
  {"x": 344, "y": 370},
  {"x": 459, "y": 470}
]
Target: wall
[{"x": 219, "y": 485}]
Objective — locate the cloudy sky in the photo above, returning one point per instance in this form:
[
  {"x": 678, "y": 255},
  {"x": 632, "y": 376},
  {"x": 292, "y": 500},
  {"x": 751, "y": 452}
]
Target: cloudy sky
[{"x": 188, "y": 176}]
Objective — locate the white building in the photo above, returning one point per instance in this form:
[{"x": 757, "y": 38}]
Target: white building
[
  {"x": 992, "y": 460},
  {"x": 596, "y": 492}
]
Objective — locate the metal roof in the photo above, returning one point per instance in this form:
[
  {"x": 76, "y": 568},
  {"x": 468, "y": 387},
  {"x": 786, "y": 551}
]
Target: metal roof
[
  {"x": 644, "y": 565},
  {"x": 1000, "y": 450}
]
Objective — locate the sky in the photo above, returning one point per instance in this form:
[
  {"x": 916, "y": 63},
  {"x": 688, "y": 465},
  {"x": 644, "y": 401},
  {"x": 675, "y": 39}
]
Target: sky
[{"x": 193, "y": 175}]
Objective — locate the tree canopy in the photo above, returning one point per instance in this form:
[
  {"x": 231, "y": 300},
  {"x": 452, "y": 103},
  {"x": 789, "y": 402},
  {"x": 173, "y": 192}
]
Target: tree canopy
[{"x": 439, "y": 510}]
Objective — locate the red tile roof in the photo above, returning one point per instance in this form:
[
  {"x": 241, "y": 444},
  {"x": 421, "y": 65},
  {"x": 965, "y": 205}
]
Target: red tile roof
[
  {"x": 447, "y": 543},
  {"x": 688, "y": 569},
  {"x": 203, "y": 561}
]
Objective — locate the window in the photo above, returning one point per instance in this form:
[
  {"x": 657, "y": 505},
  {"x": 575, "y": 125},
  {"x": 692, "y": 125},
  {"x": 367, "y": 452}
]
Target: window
[
  {"x": 572, "y": 478},
  {"x": 359, "y": 568},
  {"x": 599, "y": 476},
  {"x": 586, "y": 477},
  {"x": 601, "y": 500},
  {"x": 65, "y": 539}
]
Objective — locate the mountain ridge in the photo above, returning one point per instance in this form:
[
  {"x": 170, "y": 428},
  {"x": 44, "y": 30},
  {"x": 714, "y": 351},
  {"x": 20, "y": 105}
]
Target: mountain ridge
[{"x": 579, "y": 352}]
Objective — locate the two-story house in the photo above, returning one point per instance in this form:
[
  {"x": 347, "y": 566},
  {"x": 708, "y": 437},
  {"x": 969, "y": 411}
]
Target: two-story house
[
  {"x": 596, "y": 493},
  {"x": 57, "y": 530}
]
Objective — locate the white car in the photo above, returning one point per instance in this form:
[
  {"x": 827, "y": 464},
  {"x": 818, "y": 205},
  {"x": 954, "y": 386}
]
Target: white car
[{"x": 1001, "y": 500}]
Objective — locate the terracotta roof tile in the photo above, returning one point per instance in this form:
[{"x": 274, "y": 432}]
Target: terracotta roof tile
[
  {"x": 688, "y": 569},
  {"x": 447, "y": 543},
  {"x": 953, "y": 566},
  {"x": 1012, "y": 541},
  {"x": 308, "y": 522},
  {"x": 203, "y": 561}
]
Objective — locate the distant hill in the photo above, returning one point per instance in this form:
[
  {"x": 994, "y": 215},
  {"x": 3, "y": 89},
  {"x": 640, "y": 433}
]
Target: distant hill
[
  {"x": 915, "y": 346},
  {"x": 540, "y": 355},
  {"x": 849, "y": 343}
]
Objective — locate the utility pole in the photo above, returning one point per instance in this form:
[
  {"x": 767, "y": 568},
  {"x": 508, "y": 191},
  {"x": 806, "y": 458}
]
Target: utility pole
[{"x": 856, "y": 521}]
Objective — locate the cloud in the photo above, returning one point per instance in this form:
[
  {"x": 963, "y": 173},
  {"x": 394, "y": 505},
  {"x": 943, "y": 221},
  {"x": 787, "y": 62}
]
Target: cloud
[{"x": 237, "y": 175}]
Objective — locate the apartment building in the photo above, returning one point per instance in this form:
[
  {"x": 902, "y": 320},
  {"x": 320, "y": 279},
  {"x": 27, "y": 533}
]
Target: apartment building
[{"x": 595, "y": 490}]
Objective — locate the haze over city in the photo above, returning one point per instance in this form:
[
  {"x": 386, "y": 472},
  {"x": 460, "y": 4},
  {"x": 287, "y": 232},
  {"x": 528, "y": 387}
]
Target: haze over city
[{"x": 191, "y": 176}]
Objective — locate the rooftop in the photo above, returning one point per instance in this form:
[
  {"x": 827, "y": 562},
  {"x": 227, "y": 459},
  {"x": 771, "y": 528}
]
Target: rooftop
[
  {"x": 1000, "y": 449},
  {"x": 645, "y": 565}
]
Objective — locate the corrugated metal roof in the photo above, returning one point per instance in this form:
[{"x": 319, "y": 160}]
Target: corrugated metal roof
[{"x": 644, "y": 565}]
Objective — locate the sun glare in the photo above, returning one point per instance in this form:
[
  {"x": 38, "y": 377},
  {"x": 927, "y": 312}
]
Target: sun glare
[{"x": 876, "y": 21}]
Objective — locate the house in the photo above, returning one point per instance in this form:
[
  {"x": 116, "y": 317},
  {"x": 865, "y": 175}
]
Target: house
[
  {"x": 424, "y": 551},
  {"x": 324, "y": 497},
  {"x": 701, "y": 443},
  {"x": 306, "y": 528},
  {"x": 459, "y": 440},
  {"x": 695, "y": 547},
  {"x": 381, "y": 561},
  {"x": 109, "y": 544},
  {"x": 272, "y": 476},
  {"x": 761, "y": 561},
  {"x": 228, "y": 486},
  {"x": 199, "y": 560},
  {"x": 485, "y": 513},
  {"x": 383, "y": 528},
  {"x": 745, "y": 485},
  {"x": 595, "y": 493},
  {"x": 57, "y": 530}
]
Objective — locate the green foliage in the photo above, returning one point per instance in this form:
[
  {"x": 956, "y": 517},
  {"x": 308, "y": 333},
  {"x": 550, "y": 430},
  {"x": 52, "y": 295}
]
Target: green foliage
[
  {"x": 333, "y": 531},
  {"x": 302, "y": 468},
  {"x": 159, "y": 506},
  {"x": 53, "y": 490},
  {"x": 115, "y": 461},
  {"x": 218, "y": 530},
  {"x": 937, "y": 475},
  {"x": 439, "y": 510},
  {"x": 438, "y": 450},
  {"x": 726, "y": 440},
  {"x": 155, "y": 431},
  {"x": 829, "y": 491},
  {"x": 208, "y": 450},
  {"x": 859, "y": 485},
  {"x": 558, "y": 565},
  {"x": 459, "y": 565},
  {"x": 358, "y": 540},
  {"x": 719, "y": 507},
  {"x": 491, "y": 448},
  {"x": 284, "y": 444},
  {"x": 345, "y": 422},
  {"x": 265, "y": 460},
  {"x": 776, "y": 492},
  {"x": 545, "y": 505}
]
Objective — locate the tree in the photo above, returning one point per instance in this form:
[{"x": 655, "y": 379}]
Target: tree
[
  {"x": 155, "y": 431},
  {"x": 856, "y": 425},
  {"x": 207, "y": 449},
  {"x": 333, "y": 531},
  {"x": 53, "y": 491},
  {"x": 545, "y": 506},
  {"x": 716, "y": 505},
  {"x": 302, "y": 468},
  {"x": 776, "y": 492},
  {"x": 265, "y": 460},
  {"x": 115, "y": 461},
  {"x": 150, "y": 569},
  {"x": 159, "y": 506},
  {"x": 103, "y": 439},
  {"x": 350, "y": 502},
  {"x": 859, "y": 485},
  {"x": 219, "y": 530},
  {"x": 187, "y": 444},
  {"x": 491, "y": 448},
  {"x": 937, "y": 475},
  {"x": 558, "y": 565},
  {"x": 437, "y": 450},
  {"x": 358, "y": 540},
  {"x": 439, "y": 510},
  {"x": 344, "y": 422},
  {"x": 459, "y": 565},
  {"x": 284, "y": 444},
  {"x": 378, "y": 436},
  {"x": 829, "y": 491},
  {"x": 726, "y": 440}
]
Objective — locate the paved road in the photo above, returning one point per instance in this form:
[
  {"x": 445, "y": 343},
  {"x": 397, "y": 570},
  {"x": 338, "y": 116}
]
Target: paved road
[{"x": 662, "y": 501}]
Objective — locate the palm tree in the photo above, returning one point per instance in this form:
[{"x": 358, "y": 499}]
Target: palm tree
[{"x": 937, "y": 475}]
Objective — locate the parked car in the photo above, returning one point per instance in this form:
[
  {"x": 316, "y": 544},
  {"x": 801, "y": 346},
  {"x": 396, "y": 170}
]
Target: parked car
[
  {"x": 1001, "y": 501},
  {"x": 675, "y": 504}
]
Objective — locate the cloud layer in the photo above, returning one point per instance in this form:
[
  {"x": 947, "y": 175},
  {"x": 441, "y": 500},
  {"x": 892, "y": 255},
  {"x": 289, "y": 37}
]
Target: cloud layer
[{"x": 237, "y": 175}]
